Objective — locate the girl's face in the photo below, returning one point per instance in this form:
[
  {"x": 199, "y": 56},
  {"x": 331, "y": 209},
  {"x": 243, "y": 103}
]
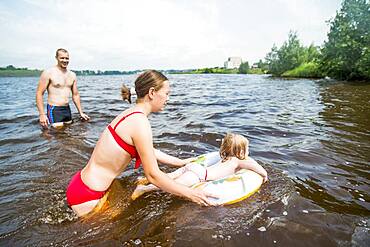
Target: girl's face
[
  {"x": 161, "y": 97},
  {"x": 246, "y": 151}
]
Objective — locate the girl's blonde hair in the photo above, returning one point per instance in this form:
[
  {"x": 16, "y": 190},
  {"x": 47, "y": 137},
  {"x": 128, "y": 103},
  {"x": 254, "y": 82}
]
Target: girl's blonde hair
[
  {"x": 233, "y": 145},
  {"x": 145, "y": 81}
]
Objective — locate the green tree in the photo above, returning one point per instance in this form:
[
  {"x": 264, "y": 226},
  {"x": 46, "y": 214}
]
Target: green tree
[
  {"x": 289, "y": 56},
  {"x": 262, "y": 65},
  {"x": 207, "y": 71},
  {"x": 312, "y": 54},
  {"x": 11, "y": 67},
  {"x": 346, "y": 53},
  {"x": 272, "y": 59},
  {"x": 244, "y": 68}
]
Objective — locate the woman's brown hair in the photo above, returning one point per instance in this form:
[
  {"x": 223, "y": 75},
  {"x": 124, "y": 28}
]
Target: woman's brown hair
[
  {"x": 233, "y": 145},
  {"x": 145, "y": 81}
]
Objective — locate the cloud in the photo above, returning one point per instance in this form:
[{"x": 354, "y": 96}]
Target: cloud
[{"x": 161, "y": 34}]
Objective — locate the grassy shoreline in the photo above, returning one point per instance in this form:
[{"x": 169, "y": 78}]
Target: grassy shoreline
[
  {"x": 305, "y": 70},
  {"x": 19, "y": 73},
  {"x": 218, "y": 70},
  {"x": 11, "y": 71}
]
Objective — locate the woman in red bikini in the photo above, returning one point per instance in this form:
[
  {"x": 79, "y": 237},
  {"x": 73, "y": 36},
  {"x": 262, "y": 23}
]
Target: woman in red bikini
[{"x": 127, "y": 137}]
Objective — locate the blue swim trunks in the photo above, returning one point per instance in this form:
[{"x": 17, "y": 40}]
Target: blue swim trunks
[{"x": 57, "y": 114}]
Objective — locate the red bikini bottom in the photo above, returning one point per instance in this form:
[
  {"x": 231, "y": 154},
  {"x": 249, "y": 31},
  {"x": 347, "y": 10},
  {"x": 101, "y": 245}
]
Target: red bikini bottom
[{"x": 78, "y": 192}]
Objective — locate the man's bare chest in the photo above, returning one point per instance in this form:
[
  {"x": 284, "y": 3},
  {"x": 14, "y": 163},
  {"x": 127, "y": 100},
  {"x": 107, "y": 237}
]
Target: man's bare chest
[{"x": 61, "y": 81}]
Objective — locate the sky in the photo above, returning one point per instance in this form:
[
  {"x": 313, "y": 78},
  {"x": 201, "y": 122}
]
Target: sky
[{"x": 155, "y": 34}]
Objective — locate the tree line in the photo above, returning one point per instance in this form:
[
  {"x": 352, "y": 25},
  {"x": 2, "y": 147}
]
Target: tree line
[
  {"x": 11, "y": 71},
  {"x": 345, "y": 55}
]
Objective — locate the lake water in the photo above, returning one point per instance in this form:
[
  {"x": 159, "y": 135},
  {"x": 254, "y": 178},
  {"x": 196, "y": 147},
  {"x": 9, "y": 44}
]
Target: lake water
[{"x": 312, "y": 136}]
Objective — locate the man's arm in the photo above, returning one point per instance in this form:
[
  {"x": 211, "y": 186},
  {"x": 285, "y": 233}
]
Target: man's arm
[
  {"x": 41, "y": 87},
  {"x": 76, "y": 99}
]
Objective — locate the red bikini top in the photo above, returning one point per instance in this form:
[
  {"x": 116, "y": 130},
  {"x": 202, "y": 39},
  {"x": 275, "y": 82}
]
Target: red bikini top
[{"x": 127, "y": 147}]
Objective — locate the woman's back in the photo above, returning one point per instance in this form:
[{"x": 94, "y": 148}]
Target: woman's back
[{"x": 109, "y": 159}]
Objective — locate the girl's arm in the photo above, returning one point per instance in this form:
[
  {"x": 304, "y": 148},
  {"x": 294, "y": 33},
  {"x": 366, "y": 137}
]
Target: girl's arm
[
  {"x": 177, "y": 173},
  {"x": 144, "y": 146},
  {"x": 169, "y": 159},
  {"x": 251, "y": 164}
]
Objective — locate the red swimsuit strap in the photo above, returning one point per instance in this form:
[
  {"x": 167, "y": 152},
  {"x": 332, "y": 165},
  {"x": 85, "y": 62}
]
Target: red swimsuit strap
[
  {"x": 129, "y": 148},
  {"x": 124, "y": 117}
]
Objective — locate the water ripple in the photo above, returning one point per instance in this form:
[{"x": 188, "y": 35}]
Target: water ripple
[{"x": 313, "y": 137}]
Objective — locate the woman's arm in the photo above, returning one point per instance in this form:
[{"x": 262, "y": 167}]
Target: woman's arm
[
  {"x": 173, "y": 175},
  {"x": 251, "y": 164},
  {"x": 144, "y": 146},
  {"x": 169, "y": 159}
]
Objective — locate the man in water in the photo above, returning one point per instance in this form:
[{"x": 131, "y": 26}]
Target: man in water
[{"x": 60, "y": 83}]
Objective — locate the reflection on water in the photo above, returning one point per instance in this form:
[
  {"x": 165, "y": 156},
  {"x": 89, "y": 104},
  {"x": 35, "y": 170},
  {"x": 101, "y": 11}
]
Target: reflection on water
[
  {"x": 345, "y": 142},
  {"x": 313, "y": 137}
]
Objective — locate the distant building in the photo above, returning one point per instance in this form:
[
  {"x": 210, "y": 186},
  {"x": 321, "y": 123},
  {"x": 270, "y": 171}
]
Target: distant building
[
  {"x": 254, "y": 66},
  {"x": 233, "y": 63}
]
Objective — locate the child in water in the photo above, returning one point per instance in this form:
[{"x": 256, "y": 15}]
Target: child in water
[{"x": 234, "y": 153}]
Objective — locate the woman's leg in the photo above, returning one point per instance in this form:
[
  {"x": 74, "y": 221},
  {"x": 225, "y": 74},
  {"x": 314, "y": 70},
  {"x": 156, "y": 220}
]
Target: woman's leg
[
  {"x": 181, "y": 176},
  {"x": 142, "y": 189},
  {"x": 84, "y": 208},
  {"x": 142, "y": 180}
]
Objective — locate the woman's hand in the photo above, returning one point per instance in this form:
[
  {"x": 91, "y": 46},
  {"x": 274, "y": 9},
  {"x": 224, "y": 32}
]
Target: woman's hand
[{"x": 201, "y": 198}]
